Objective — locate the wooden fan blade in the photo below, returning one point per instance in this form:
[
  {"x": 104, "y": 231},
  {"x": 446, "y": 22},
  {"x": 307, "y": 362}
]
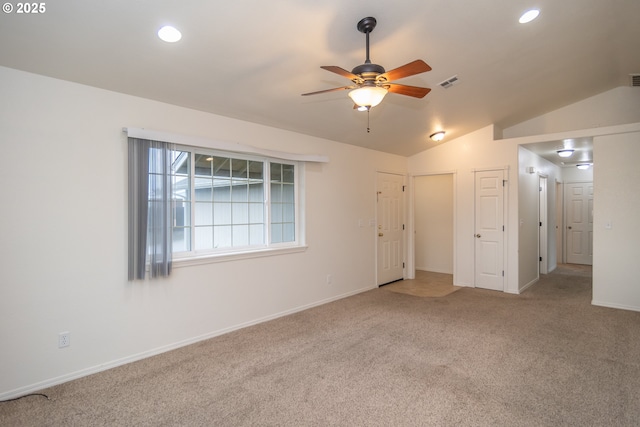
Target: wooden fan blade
[
  {"x": 415, "y": 91},
  {"x": 416, "y": 67},
  {"x": 340, "y": 71},
  {"x": 329, "y": 90}
]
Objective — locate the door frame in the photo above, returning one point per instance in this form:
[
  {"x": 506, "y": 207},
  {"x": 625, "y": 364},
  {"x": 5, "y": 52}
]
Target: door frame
[
  {"x": 411, "y": 223},
  {"x": 505, "y": 219},
  {"x": 565, "y": 223},
  {"x": 404, "y": 220},
  {"x": 543, "y": 221}
]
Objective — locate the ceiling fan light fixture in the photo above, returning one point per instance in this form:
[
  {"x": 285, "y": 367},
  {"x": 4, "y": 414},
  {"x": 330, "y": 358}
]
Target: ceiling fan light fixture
[
  {"x": 438, "y": 136},
  {"x": 368, "y": 96},
  {"x": 565, "y": 152}
]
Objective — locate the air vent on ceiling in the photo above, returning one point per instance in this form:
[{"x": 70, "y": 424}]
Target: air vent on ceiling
[
  {"x": 635, "y": 80},
  {"x": 449, "y": 82}
]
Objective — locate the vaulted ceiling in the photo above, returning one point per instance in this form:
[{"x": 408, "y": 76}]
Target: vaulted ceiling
[{"x": 252, "y": 60}]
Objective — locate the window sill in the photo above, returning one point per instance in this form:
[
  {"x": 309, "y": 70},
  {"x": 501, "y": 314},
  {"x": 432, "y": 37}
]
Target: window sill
[{"x": 213, "y": 258}]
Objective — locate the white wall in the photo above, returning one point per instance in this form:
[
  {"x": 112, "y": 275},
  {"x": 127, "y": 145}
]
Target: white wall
[
  {"x": 616, "y": 253},
  {"x": 477, "y": 150},
  {"x": 63, "y": 235},
  {"x": 434, "y": 223},
  {"x": 615, "y": 107}
]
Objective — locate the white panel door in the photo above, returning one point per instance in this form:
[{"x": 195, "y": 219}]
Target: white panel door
[
  {"x": 390, "y": 228},
  {"x": 489, "y": 230},
  {"x": 579, "y": 222}
]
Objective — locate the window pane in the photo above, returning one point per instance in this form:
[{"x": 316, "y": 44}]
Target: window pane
[
  {"x": 256, "y": 170},
  {"x": 288, "y": 173},
  {"x": 276, "y": 233},
  {"x": 181, "y": 239},
  {"x": 181, "y": 214},
  {"x": 240, "y": 235},
  {"x": 203, "y": 189},
  {"x": 276, "y": 172},
  {"x": 203, "y": 164},
  {"x": 222, "y": 213},
  {"x": 256, "y": 192},
  {"x": 222, "y": 237},
  {"x": 221, "y": 167},
  {"x": 276, "y": 193},
  {"x": 256, "y": 213},
  {"x": 181, "y": 188},
  {"x": 180, "y": 162},
  {"x": 256, "y": 234},
  {"x": 204, "y": 214},
  {"x": 204, "y": 238},
  {"x": 239, "y": 192},
  {"x": 240, "y": 213},
  {"x": 288, "y": 193},
  {"x": 239, "y": 168},
  {"x": 276, "y": 212},
  {"x": 288, "y": 212},
  {"x": 222, "y": 191},
  {"x": 229, "y": 209},
  {"x": 288, "y": 233}
]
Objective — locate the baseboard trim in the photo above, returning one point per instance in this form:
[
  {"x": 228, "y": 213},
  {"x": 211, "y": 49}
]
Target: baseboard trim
[
  {"x": 528, "y": 285},
  {"x": 163, "y": 349},
  {"x": 614, "y": 305}
]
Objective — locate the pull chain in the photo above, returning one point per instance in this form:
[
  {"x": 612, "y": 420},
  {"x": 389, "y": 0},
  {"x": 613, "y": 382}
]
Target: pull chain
[{"x": 368, "y": 109}]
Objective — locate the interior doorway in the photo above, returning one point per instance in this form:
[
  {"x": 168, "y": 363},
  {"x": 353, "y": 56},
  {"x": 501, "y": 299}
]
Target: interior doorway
[
  {"x": 579, "y": 222},
  {"x": 543, "y": 226},
  {"x": 434, "y": 223}
]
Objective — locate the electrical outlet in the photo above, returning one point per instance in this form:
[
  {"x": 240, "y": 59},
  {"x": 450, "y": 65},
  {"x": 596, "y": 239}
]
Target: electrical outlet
[{"x": 64, "y": 339}]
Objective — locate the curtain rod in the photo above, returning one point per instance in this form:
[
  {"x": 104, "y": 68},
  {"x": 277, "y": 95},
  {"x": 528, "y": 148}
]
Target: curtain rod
[{"x": 156, "y": 135}]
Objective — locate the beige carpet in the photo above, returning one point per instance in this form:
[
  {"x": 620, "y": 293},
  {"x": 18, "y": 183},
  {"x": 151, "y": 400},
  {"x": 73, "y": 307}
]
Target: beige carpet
[
  {"x": 426, "y": 284},
  {"x": 471, "y": 358}
]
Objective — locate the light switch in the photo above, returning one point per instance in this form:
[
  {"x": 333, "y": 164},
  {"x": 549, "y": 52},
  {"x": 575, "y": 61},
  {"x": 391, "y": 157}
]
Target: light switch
[{"x": 608, "y": 225}]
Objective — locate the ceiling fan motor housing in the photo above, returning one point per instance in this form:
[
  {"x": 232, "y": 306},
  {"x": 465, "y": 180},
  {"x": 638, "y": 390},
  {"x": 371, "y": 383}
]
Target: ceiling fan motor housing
[{"x": 371, "y": 69}]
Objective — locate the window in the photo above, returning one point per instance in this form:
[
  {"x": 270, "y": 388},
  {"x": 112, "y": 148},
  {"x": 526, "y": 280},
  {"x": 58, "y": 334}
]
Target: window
[{"x": 225, "y": 203}]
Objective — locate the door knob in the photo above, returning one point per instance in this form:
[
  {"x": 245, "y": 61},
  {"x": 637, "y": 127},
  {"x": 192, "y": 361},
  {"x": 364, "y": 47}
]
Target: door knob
[
  {"x": 569, "y": 227},
  {"x": 380, "y": 234},
  {"x": 478, "y": 236}
]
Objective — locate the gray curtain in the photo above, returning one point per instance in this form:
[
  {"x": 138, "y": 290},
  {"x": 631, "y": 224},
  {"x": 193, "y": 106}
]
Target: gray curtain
[{"x": 150, "y": 208}]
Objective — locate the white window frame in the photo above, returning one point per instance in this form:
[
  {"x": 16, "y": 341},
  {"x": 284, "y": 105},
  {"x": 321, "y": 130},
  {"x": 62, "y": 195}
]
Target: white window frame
[
  {"x": 231, "y": 148},
  {"x": 230, "y": 253}
]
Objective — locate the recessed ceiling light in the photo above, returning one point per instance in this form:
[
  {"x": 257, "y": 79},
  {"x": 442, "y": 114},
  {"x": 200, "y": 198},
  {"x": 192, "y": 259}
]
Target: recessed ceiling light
[
  {"x": 565, "y": 152},
  {"x": 438, "y": 136},
  {"x": 169, "y": 34},
  {"x": 529, "y": 16}
]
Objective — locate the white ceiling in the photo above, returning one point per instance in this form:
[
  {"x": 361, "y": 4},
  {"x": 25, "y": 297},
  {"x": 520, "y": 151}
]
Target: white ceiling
[
  {"x": 583, "y": 151},
  {"x": 251, "y": 60}
]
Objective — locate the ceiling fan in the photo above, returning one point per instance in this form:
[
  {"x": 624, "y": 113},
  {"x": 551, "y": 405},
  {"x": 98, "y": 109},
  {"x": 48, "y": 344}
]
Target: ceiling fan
[{"x": 371, "y": 82}]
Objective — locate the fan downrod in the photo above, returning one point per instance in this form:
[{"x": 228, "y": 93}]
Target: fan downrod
[{"x": 366, "y": 25}]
